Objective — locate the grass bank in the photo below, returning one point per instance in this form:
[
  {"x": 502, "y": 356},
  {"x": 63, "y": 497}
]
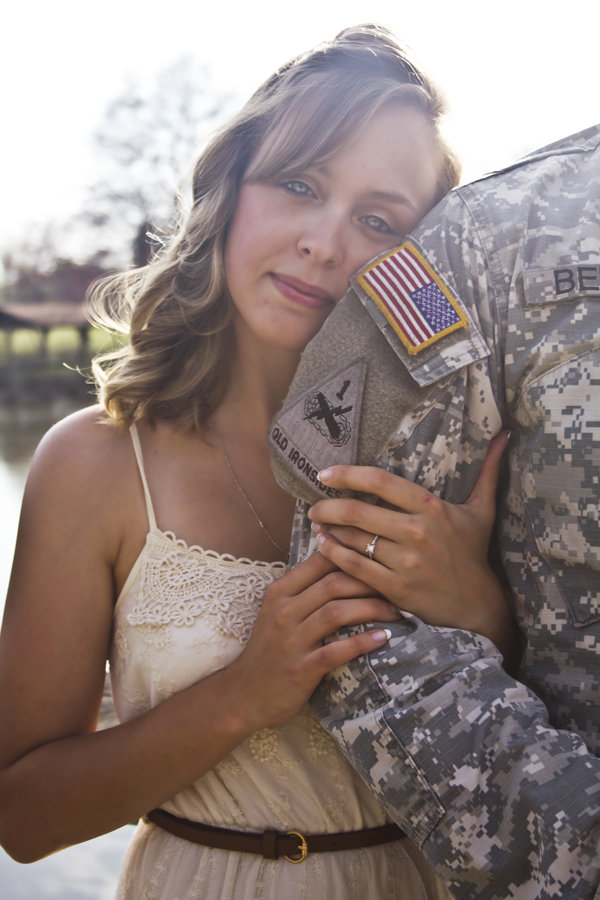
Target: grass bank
[{"x": 35, "y": 369}]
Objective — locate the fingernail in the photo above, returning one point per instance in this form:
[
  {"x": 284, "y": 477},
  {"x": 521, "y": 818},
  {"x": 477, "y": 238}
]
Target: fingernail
[
  {"x": 316, "y": 527},
  {"x": 324, "y": 475},
  {"x": 321, "y": 538},
  {"x": 381, "y": 635}
]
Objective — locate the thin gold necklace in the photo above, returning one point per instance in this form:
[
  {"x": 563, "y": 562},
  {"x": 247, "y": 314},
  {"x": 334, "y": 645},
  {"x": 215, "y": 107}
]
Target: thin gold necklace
[{"x": 245, "y": 495}]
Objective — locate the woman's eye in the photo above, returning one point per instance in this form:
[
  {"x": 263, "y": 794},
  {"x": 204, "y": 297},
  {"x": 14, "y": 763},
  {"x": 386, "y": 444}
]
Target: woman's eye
[
  {"x": 377, "y": 224},
  {"x": 298, "y": 187}
]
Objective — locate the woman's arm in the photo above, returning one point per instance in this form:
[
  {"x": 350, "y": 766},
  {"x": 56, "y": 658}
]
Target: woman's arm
[{"x": 60, "y": 781}]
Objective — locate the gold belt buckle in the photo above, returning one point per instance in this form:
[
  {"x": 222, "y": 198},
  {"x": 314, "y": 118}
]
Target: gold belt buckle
[{"x": 302, "y": 849}]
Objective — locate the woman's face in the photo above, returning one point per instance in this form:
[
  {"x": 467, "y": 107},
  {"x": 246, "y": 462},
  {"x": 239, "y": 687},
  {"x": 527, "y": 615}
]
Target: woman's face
[{"x": 294, "y": 242}]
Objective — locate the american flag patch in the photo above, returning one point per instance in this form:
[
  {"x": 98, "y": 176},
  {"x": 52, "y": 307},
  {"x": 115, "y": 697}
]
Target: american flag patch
[{"x": 412, "y": 297}]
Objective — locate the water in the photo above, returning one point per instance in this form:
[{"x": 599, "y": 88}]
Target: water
[
  {"x": 12, "y": 480},
  {"x": 21, "y": 428},
  {"x": 87, "y": 871}
]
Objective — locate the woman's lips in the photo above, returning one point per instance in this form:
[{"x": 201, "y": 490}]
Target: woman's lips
[{"x": 298, "y": 291}]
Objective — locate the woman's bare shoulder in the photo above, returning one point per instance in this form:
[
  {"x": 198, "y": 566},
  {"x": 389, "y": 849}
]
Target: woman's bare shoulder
[
  {"x": 85, "y": 438},
  {"x": 83, "y": 471},
  {"x": 83, "y": 458}
]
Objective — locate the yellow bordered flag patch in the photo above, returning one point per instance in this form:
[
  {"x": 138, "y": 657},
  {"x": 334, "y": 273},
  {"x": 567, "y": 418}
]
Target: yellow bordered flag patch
[{"x": 412, "y": 297}]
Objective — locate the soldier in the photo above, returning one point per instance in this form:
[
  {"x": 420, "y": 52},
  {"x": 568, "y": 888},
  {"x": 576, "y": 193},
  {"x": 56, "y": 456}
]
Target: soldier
[{"x": 488, "y": 317}]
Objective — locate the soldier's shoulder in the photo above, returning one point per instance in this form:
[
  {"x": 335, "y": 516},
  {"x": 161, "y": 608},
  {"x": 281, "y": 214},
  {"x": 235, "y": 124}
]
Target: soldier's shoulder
[{"x": 585, "y": 141}]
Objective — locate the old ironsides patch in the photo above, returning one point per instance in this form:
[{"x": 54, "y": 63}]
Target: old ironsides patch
[{"x": 320, "y": 428}]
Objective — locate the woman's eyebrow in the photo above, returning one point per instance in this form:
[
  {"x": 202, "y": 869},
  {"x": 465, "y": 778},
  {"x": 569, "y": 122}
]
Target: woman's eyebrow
[{"x": 392, "y": 197}]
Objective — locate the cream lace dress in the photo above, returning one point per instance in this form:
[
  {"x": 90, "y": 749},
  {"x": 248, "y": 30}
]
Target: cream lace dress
[{"x": 183, "y": 613}]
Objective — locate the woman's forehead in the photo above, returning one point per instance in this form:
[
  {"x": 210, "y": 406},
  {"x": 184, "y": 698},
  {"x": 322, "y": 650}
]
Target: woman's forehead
[{"x": 312, "y": 133}]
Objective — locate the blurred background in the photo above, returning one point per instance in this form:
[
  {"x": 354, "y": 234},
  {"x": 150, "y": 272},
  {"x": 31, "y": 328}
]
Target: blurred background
[{"x": 103, "y": 109}]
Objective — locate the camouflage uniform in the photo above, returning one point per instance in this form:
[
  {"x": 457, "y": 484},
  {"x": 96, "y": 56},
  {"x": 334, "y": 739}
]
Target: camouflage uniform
[{"x": 497, "y": 779}]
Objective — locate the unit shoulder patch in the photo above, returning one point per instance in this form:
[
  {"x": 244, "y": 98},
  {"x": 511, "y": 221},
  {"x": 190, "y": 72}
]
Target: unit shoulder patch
[{"x": 320, "y": 428}]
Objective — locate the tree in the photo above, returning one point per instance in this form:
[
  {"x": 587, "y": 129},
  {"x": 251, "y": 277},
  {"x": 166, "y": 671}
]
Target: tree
[
  {"x": 149, "y": 139},
  {"x": 35, "y": 274}
]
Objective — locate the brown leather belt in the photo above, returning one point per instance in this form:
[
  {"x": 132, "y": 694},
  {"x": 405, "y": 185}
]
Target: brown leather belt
[{"x": 292, "y": 845}]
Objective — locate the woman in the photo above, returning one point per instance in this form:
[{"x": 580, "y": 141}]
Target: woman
[{"x": 153, "y": 533}]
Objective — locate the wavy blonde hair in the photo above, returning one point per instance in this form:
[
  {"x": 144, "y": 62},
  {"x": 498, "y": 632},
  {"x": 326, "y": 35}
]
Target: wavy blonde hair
[{"x": 176, "y": 310}]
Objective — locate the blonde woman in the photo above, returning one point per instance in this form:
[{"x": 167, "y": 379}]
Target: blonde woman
[{"x": 153, "y": 533}]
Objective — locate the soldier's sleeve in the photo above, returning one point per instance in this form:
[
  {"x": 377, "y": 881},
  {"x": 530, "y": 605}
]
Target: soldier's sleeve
[
  {"x": 463, "y": 758},
  {"x": 460, "y": 754}
]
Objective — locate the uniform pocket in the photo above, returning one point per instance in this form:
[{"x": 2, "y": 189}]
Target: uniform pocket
[{"x": 560, "y": 477}]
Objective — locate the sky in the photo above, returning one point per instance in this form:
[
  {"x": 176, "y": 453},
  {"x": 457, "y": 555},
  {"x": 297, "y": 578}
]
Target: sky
[{"x": 517, "y": 74}]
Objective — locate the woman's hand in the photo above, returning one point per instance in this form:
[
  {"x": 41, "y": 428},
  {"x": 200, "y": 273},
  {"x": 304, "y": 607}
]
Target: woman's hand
[
  {"x": 430, "y": 557},
  {"x": 286, "y": 656}
]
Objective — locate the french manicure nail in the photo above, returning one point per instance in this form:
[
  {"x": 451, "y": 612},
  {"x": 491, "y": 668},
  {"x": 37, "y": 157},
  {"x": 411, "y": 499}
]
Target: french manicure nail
[{"x": 381, "y": 635}]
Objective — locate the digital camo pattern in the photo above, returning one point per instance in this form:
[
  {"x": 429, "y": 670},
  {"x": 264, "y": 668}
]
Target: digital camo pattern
[{"x": 498, "y": 780}]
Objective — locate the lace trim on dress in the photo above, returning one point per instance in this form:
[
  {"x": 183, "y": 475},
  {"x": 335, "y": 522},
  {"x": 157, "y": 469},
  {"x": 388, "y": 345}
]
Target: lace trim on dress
[{"x": 181, "y": 582}]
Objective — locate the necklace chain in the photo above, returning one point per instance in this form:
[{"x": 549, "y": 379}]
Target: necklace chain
[{"x": 245, "y": 495}]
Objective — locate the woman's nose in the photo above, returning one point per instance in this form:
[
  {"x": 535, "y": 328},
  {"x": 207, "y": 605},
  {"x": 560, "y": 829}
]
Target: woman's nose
[{"x": 323, "y": 242}]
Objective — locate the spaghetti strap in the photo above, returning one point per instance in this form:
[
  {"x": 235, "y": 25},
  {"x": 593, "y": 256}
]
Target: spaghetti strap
[{"x": 140, "y": 461}]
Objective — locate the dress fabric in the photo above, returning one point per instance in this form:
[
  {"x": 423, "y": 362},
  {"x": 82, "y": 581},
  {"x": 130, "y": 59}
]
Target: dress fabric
[{"x": 184, "y": 613}]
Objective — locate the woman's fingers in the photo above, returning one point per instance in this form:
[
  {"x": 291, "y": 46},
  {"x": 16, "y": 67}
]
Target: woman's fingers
[
  {"x": 336, "y": 600},
  {"x": 482, "y": 499},
  {"x": 336, "y": 614},
  {"x": 340, "y": 545},
  {"x": 318, "y": 583},
  {"x": 403, "y": 494},
  {"x": 381, "y": 572},
  {"x": 372, "y": 545},
  {"x": 361, "y": 516},
  {"x": 411, "y": 503},
  {"x": 302, "y": 576},
  {"x": 337, "y": 653},
  {"x": 393, "y": 489}
]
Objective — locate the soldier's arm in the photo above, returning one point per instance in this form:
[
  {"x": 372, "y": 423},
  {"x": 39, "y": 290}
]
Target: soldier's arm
[{"x": 499, "y": 785}]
